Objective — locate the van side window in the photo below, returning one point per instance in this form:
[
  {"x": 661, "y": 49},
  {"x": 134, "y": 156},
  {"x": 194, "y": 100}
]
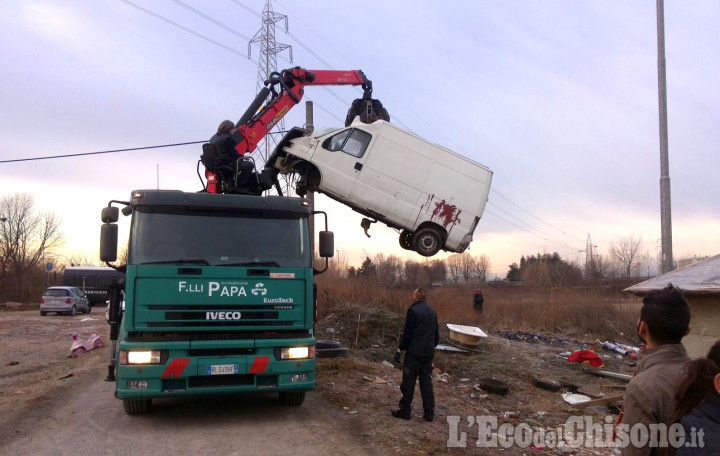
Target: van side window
[
  {"x": 335, "y": 142},
  {"x": 352, "y": 142}
]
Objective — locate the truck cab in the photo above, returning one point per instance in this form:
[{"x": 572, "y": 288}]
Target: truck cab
[{"x": 219, "y": 296}]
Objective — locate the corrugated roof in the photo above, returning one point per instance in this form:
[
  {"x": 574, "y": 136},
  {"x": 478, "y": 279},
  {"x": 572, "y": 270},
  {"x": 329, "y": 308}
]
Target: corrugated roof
[{"x": 702, "y": 277}]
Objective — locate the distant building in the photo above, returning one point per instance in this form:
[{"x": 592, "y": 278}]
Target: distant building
[{"x": 700, "y": 283}]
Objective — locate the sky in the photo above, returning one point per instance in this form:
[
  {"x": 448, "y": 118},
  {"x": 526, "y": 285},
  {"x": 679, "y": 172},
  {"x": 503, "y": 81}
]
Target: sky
[{"x": 558, "y": 98}]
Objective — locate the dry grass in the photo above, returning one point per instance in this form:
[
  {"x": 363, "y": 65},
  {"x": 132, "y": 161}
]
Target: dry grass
[{"x": 370, "y": 314}]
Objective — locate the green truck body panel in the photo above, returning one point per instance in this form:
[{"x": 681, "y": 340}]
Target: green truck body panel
[{"x": 217, "y": 309}]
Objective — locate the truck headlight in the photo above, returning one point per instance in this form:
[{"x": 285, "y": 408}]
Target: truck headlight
[
  {"x": 140, "y": 357},
  {"x": 297, "y": 352}
]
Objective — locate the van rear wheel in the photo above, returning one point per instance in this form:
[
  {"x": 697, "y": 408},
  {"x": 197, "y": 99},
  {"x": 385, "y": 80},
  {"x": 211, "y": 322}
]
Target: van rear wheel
[{"x": 427, "y": 241}]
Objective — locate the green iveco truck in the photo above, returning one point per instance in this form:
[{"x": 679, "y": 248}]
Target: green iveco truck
[{"x": 219, "y": 296}]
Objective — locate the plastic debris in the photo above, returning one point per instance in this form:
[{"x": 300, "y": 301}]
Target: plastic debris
[{"x": 573, "y": 398}]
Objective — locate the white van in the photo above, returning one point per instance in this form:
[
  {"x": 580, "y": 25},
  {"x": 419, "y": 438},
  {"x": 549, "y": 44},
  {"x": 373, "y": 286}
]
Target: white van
[{"x": 435, "y": 196}]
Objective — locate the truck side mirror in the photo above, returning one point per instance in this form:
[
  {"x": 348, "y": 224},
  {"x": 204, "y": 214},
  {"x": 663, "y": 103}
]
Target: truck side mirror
[
  {"x": 108, "y": 241},
  {"x": 110, "y": 214},
  {"x": 327, "y": 244}
]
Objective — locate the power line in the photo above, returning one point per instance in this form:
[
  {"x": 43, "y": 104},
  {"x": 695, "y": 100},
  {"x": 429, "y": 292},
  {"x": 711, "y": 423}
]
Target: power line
[
  {"x": 535, "y": 216},
  {"x": 525, "y": 229},
  {"x": 48, "y": 157},
  {"x": 216, "y": 22},
  {"x": 182, "y": 27}
]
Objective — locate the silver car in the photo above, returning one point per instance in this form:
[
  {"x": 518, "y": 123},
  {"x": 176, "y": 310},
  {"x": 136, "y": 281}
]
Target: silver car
[{"x": 67, "y": 300}]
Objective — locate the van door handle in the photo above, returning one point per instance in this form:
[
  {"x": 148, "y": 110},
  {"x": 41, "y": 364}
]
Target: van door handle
[{"x": 358, "y": 166}]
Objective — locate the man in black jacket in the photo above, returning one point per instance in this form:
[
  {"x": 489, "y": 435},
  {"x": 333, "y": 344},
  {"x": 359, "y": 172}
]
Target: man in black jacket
[
  {"x": 419, "y": 339},
  {"x": 225, "y": 144}
]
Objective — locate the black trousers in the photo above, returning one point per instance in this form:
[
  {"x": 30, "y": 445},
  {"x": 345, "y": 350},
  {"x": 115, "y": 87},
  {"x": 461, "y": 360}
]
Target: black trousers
[{"x": 417, "y": 366}]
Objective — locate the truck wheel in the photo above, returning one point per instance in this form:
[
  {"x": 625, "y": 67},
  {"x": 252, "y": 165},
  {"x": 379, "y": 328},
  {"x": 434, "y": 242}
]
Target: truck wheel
[
  {"x": 43, "y": 313},
  {"x": 292, "y": 398},
  {"x": 427, "y": 242},
  {"x": 136, "y": 406},
  {"x": 406, "y": 239}
]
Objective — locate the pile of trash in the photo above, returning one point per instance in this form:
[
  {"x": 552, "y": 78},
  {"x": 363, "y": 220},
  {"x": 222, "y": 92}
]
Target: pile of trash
[{"x": 621, "y": 349}]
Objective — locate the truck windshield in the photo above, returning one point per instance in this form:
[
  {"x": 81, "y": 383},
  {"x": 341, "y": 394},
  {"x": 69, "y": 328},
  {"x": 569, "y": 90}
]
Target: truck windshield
[{"x": 218, "y": 240}]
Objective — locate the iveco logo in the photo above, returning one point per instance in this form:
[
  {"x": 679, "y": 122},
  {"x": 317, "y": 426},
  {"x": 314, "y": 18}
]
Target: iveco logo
[
  {"x": 223, "y": 315},
  {"x": 259, "y": 289}
]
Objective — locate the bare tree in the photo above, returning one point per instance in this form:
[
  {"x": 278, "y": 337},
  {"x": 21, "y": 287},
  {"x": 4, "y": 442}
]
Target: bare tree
[
  {"x": 481, "y": 265},
  {"x": 467, "y": 265},
  {"x": 454, "y": 262},
  {"x": 389, "y": 269},
  {"x": 27, "y": 239},
  {"x": 626, "y": 253}
]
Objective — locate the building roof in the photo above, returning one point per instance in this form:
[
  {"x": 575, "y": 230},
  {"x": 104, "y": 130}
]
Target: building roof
[{"x": 702, "y": 277}]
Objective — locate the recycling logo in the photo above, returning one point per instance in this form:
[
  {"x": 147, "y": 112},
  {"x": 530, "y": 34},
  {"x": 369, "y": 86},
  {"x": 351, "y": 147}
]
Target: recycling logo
[{"x": 259, "y": 289}]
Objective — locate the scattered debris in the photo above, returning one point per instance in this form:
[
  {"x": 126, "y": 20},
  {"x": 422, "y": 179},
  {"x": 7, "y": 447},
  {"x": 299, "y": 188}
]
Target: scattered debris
[
  {"x": 607, "y": 374},
  {"x": 601, "y": 401},
  {"x": 466, "y": 335},
  {"x": 493, "y": 385},
  {"x": 586, "y": 357},
  {"x": 450, "y": 348},
  {"x": 547, "y": 339},
  {"x": 388, "y": 364},
  {"x": 13, "y": 363},
  {"x": 546, "y": 384},
  {"x": 574, "y": 398}
]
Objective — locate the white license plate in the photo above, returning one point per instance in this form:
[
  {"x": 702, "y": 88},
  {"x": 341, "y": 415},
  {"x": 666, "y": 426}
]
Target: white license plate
[{"x": 223, "y": 369}]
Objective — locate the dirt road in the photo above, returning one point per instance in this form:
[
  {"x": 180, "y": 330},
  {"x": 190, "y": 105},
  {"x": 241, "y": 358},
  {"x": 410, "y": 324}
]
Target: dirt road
[{"x": 55, "y": 405}]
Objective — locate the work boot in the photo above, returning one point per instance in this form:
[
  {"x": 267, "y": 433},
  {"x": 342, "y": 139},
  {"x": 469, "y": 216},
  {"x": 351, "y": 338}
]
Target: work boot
[
  {"x": 428, "y": 417},
  {"x": 400, "y": 414}
]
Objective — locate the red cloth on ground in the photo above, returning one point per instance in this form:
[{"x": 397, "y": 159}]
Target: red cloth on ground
[{"x": 586, "y": 356}]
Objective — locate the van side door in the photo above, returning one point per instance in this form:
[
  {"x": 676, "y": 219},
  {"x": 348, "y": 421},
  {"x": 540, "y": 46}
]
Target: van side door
[{"x": 340, "y": 157}]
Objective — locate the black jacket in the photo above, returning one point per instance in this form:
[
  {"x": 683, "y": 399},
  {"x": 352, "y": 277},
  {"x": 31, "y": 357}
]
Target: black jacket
[
  {"x": 225, "y": 144},
  {"x": 705, "y": 416},
  {"x": 420, "y": 335}
]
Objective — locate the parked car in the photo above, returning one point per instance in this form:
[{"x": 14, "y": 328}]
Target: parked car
[
  {"x": 67, "y": 300},
  {"x": 122, "y": 308}
]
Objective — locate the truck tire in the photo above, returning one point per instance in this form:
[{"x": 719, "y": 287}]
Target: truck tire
[
  {"x": 427, "y": 241},
  {"x": 136, "y": 406},
  {"x": 294, "y": 399},
  {"x": 494, "y": 386}
]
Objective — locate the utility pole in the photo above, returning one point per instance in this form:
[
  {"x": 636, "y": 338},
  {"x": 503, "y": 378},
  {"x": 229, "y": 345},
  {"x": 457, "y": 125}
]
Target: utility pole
[
  {"x": 267, "y": 63},
  {"x": 309, "y": 126},
  {"x": 665, "y": 215}
]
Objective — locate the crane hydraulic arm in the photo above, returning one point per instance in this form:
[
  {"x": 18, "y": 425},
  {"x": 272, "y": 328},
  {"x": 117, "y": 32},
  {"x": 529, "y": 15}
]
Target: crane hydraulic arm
[
  {"x": 286, "y": 89},
  {"x": 282, "y": 91}
]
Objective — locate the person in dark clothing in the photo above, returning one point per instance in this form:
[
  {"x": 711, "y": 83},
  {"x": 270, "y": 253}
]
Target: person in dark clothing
[
  {"x": 478, "y": 299},
  {"x": 698, "y": 405},
  {"x": 419, "y": 339},
  {"x": 225, "y": 144}
]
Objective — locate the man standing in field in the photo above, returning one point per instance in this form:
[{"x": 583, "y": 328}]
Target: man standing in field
[
  {"x": 650, "y": 395},
  {"x": 419, "y": 339}
]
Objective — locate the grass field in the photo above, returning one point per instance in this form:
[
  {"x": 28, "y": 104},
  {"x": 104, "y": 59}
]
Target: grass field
[{"x": 592, "y": 312}]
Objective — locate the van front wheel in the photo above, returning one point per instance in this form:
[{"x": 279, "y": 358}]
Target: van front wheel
[{"x": 427, "y": 242}]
